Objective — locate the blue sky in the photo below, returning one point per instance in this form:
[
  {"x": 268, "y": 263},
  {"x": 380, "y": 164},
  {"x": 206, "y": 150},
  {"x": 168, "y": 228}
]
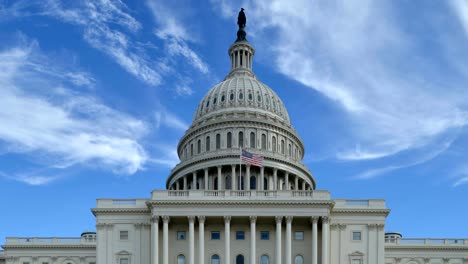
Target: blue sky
[{"x": 95, "y": 95}]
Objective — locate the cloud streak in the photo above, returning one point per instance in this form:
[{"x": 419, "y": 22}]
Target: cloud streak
[{"x": 41, "y": 117}]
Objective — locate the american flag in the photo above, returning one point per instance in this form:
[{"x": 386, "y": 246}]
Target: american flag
[{"x": 252, "y": 159}]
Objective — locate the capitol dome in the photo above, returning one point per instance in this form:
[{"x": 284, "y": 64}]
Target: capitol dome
[{"x": 240, "y": 113}]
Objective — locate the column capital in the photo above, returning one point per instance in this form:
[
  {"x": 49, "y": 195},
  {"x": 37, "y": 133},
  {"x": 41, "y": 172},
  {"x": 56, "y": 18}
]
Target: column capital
[
  {"x": 279, "y": 219},
  {"x": 191, "y": 218},
  {"x": 325, "y": 219},
  {"x": 253, "y": 218},
  {"x": 201, "y": 219},
  {"x": 166, "y": 219},
  {"x": 289, "y": 219},
  {"x": 227, "y": 219},
  {"x": 314, "y": 219},
  {"x": 155, "y": 218}
]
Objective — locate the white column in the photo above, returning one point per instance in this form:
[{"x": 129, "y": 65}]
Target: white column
[
  {"x": 296, "y": 182},
  {"x": 262, "y": 175},
  {"x": 201, "y": 239},
  {"x": 177, "y": 185},
  {"x": 278, "y": 219},
  {"x": 185, "y": 182},
  {"x": 253, "y": 254},
  {"x": 206, "y": 179},
  {"x": 220, "y": 179},
  {"x": 227, "y": 239},
  {"x": 286, "y": 180},
  {"x": 325, "y": 242},
  {"x": 154, "y": 239},
  {"x": 275, "y": 179},
  {"x": 247, "y": 177},
  {"x": 237, "y": 59},
  {"x": 194, "y": 180},
  {"x": 314, "y": 240},
  {"x": 233, "y": 177},
  {"x": 288, "y": 239},
  {"x": 165, "y": 239},
  {"x": 191, "y": 220}
]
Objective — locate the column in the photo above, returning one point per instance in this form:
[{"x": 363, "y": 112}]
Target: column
[
  {"x": 286, "y": 180},
  {"x": 278, "y": 219},
  {"x": 237, "y": 59},
  {"x": 191, "y": 220},
  {"x": 253, "y": 254},
  {"x": 206, "y": 179},
  {"x": 296, "y": 183},
  {"x": 275, "y": 179},
  {"x": 185, "y": 182},
  {"x": 247, "y": 177},
  {"x": 325, "y": 242},
  {"x": 220, "y": 179},
  {"x": 201, "y": 239},
  {"x": 165, "y": 239},
  {"x": 233, "y": 177},
  {"x": 288, "y": 239},
  {"x": 314, "y": 239},
  {"x": 154, "y": 239},
  {"x": 270, "y": 183},
  {"x": 261, "y": 186},
  {"x": 177, "y": 185},
  {"x": 194, "y": 180},
  {"x": 303, "y": 185},
  {"x": 227, "y": 239}
]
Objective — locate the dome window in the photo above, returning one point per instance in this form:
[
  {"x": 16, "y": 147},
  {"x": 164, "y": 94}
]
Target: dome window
[
  {"x": 250, "y": 97},
  {"x": 252, "y": 140},
  {"x": 231, "y": 96},
  {"x": 215, "y": 100},
  {"x": 259, "y": 98},
  {"x": 241, "y": 96},
  {"x": 241, "y": 139},
  {"x": 229, "y": 140},
  {"x": 208, "y": 103},
  {"x": 222, "y": 98}
]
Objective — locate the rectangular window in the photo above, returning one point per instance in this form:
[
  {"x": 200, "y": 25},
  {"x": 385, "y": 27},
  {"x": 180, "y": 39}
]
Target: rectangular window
[
  {"x": 357, "y": 236},
  {"x": 356, "y": 261},
  {"x": 299, "y": 235},
  {"x": 124, "y": 261},
  {"x": 264, "y": 235},
  {"x": 240, "y": 235},
  {"x": 123, "y": 235},
  {"x": 215, "y": 235},
  {"x": 180, "y": 235}
]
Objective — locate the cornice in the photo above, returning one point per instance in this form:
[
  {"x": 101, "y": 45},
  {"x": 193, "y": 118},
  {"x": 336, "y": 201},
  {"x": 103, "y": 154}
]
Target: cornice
[
  {"x": 407, "y": 247},
  {"x": 80, "y": 246},
  {"x": 361, "y": 211},
  {"x": 153, "y": 203},
  {"x": 100, "y": 211}
]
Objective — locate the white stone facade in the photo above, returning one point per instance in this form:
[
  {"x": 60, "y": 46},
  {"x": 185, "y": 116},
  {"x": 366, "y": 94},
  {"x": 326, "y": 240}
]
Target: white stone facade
[{"x": 218, "y": 211}]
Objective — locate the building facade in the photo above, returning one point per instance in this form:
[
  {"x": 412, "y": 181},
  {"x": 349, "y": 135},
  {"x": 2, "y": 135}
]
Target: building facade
[{"x": 218, "y": 210}]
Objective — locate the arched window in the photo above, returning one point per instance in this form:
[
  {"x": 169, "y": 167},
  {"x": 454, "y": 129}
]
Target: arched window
[
  {"x": 181, "y": 259},
  {"x": 253, "y": 183},
  {"x": 218, "y": 141},
  {"x": 191, "y": 150},
  {"x": 241, "y": 139},
  {"x": 207, "y": 144},
  {"x": 199, "y": 146},
  {"x": 215, "y": 259},
  {"x": 227, "y": 182},
  {"x": 289, "y": 150},
  {"x": 282, "y": 146},
  {"x": 240, "y": 259},
  {"x": 252, "y": 140},
  {"x": 273, "y": 143},
  {"x": 264, "y": 260},
  {"x": 263, "y": 141},
  {"x": 229, "y": 140},
  {"x": 298, "y": 260}
]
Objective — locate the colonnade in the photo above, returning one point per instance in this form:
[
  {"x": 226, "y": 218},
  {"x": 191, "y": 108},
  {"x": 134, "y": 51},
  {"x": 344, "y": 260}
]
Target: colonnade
[
  {"x": 277, "y": 180},
  {"x": 253, "y": 236}
]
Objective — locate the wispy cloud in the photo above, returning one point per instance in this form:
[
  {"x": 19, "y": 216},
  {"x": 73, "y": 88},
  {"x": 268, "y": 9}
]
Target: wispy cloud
[
  {"x": 42, "y": 117},
  {"x": 357, "y": 54},
  {"x": 165, "y": 118}
]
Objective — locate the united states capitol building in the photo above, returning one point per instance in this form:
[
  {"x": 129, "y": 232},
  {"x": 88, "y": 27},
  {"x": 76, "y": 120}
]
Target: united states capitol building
[{"x": 217, "y": 211}]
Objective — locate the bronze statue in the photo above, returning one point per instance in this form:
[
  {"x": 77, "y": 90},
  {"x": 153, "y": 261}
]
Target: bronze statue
[{"x": 241, "y": 19}]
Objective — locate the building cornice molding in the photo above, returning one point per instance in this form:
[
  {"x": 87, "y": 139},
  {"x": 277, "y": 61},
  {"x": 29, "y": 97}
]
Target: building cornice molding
[
  {"x": 328, "y": 204},
  {"x": 425, "y": 247},
  {"x": 366, "y": 211},
  {"x": 62, "y": 246},
  {"x": 139, "y": 211}
]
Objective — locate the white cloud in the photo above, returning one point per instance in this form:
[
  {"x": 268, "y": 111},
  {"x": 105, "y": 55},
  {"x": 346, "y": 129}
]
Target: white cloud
[
  {"x": 356, "y": 53},
  {"x": 168, "y": 119},
  {"x": 461, "y": 181},
  {"x": 66, "y": 127},
  {"x": 461, "y": 9}
]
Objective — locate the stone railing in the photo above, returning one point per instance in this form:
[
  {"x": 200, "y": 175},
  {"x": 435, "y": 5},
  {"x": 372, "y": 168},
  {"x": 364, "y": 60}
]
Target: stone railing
[
  {"x": 49, "y": 240},
  {"x": 239, "y": 195},
  {"x": 121, "y": 203},
  {"x": 356, "y": 204},
  {"x": 426, "y": 241}
]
